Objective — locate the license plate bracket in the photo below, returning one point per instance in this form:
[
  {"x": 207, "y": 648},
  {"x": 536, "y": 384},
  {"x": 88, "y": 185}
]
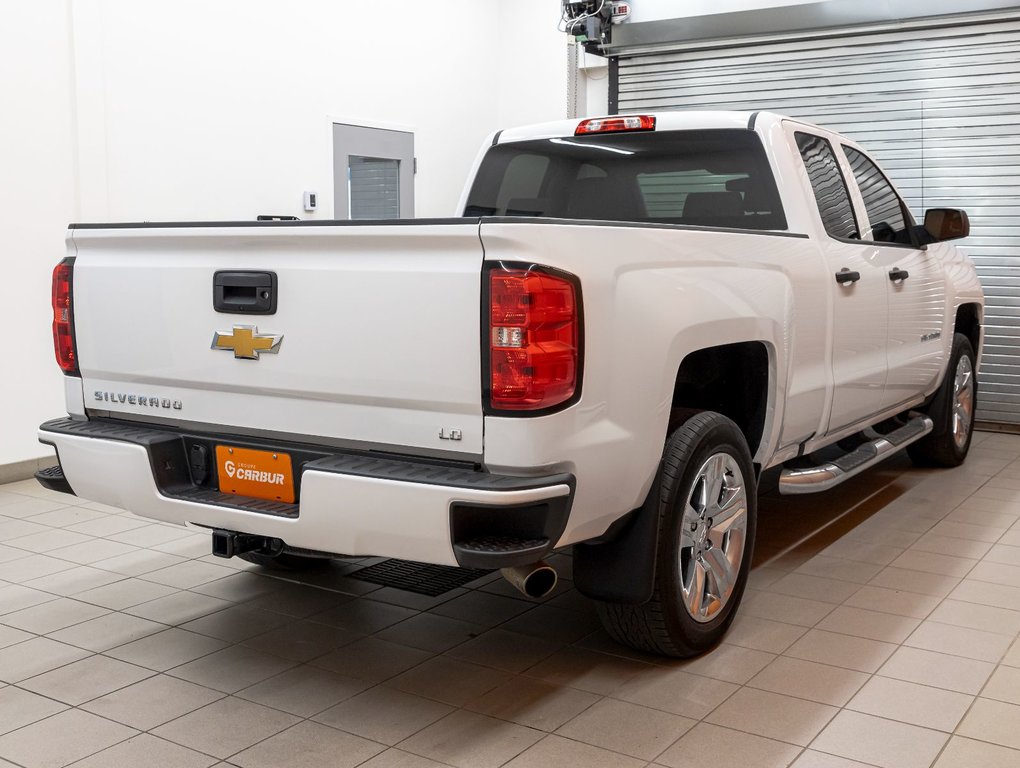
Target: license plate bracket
[{"x": 257, "y": 474}]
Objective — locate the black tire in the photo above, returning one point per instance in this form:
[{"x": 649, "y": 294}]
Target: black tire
[
  {"x": 946, "y": 445},
  {"x": 665, "y": 625},
  {"x": 286, "y": 561}
]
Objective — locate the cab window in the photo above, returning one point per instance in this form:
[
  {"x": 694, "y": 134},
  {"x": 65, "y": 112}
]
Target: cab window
[
  {"x": 890, "y": 220},
  {"x": 829, "y": 186}
]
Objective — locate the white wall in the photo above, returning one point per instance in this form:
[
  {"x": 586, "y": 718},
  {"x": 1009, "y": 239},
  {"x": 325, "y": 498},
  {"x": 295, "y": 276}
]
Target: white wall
[
  {"x": 189, "y": 109},
  {"x": 37, "y": 199}
]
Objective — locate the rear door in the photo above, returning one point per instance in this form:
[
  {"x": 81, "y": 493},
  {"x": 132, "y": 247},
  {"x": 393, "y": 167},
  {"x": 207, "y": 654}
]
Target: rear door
[
  {"x": 374, "y": 341},
  {"x": 858, "y": 287},
  {"x": 915, "y": 281}
]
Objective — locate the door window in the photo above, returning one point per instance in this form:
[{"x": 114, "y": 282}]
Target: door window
[
  {"x": 889, "y": 217},
  {"x": 829, "y": 186}
]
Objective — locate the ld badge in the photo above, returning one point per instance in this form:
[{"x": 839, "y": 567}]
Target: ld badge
[{"x": 246, "y": 342}]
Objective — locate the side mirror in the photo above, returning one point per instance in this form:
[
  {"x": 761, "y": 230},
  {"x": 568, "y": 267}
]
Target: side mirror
[{"x": 946, "y": 223}]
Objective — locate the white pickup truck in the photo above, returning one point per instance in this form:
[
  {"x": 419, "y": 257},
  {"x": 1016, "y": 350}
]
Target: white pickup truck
[{"x": 630, "y": 320}]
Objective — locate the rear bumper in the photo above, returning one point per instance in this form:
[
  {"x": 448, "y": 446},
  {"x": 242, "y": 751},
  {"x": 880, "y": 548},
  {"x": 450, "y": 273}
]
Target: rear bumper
[{"x": 348, "y": 503}]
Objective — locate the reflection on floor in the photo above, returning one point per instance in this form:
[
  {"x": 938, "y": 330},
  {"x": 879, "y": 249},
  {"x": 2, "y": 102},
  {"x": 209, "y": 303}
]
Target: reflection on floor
[{"x": 880, "y": 629}]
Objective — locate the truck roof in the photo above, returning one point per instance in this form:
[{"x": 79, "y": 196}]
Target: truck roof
[{"x": 677, "y": 120}]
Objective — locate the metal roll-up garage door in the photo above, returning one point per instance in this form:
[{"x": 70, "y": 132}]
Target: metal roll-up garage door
[{"x": 936, "y": 101}]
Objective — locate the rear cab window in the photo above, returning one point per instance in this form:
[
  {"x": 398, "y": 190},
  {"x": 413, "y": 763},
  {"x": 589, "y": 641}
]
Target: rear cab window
[
  {"x": 713, "y": 178},
  {"x": 831, "y": 192}
]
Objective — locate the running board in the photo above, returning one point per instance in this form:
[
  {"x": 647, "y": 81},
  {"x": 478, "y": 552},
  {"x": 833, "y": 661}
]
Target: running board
[{"x": 831, "y": 474}]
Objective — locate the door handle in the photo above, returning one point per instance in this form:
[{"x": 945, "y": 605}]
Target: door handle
[
  {"x": 846, "y": 276},
  {"x": 249, "y": 293},
  {"x": 896, "y": 274}
]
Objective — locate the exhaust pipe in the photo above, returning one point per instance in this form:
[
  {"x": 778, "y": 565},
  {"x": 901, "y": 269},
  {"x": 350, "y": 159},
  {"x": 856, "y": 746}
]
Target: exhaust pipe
[{"x": 534, "y": 580}]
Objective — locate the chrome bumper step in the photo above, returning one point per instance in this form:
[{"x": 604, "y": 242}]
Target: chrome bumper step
[{"x": 825, "y": 476}]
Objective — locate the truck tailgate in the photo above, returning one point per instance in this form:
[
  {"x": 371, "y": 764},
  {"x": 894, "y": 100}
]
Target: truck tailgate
[{"x": 380, "y": 331}]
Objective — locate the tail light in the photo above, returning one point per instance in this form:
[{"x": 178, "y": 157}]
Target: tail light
[
  {"x": 615, "y": 124},
  {"x": 534, "y": 338},
  {"x": 63, "y": 318}
]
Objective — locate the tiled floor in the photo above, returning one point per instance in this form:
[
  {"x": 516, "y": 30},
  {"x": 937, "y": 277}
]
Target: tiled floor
[{"x": 880, "y": 629}]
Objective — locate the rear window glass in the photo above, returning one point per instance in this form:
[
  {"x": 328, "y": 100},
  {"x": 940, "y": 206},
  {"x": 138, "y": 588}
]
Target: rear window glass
[{"x": 717, "y": 178}]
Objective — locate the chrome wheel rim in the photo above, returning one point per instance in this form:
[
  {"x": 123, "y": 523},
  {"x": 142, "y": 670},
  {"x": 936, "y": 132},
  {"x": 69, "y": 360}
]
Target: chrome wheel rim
[
  {"x": 963, "y": 401},
  {"x": 712, "y": 536}
]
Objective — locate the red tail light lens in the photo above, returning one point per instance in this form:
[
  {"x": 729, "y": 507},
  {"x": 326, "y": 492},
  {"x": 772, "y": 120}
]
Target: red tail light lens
[
  {"x": 615, "y": 124},
  {"x": 63, "y": 318},
  {"x": 534, "y": 339}
]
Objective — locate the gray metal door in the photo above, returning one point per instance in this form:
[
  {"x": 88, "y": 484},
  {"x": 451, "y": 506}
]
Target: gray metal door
[
  {"x": 935, "y": 102},
  {"x": 373, "y": 173}
]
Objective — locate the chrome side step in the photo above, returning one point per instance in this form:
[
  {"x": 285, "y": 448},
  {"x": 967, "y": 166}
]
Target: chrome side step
[{"x": 826, "y": 476}]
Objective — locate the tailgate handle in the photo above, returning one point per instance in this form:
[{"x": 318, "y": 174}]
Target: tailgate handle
[{"x": 249, "y": 293}]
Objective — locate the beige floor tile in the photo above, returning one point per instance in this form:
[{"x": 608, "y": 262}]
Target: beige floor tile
[
  {"x": 894, "y": 602},
  {"x": 303, "y": 691},
  {"x": 554, "y": 624},
  {"x": 862, "y": 551},
  {"x": 984, "y": 617},
  {"x": 676, "y": 691},
  {"x": 188, "y": 574},
  {"x": 811, "y": 759},
  {"x": 62, "y": 739},
  {"x": 907, "y": 702},
  {"x": 300, "y": 640},
  {"x": 166, "y": 650},
  {"x": 430, "y": 632},
  {"x": 967, "y": 753},
  {"x": 984, "y": 593},
  {"x": 773, "y": 716},
  {"x": 15, "y": 597},
  {"x": 467, "y": 740},
  {"x": 730, "y": 663},
  {"x": 880, "y": 742},
  {"x": 371, "y": 659},
  {"x": 762, "y": 634},
  {"x": 996, "y": 573},
  {"x": 148, "y": 535},
  {"x": 959, "y": 641},
  {"x": 308, "y": 745},
  {"x": 1003, "y": 553},
  {"x": 848, "y": 620},
  {"x": 225, "y": 727},
  {"x": 628, "y": 728},
  {"x": 86, "y": 679},
  {"x": 952, "y": 673},
  {"x": 968, "y": 531},
  {"x": 483, "y": 608},
  {"x": 587, "y": 670},
  {"x": 33, "y": 657},
  {"x": 105, "y": 525},
  {"x": 1012, "y": 657},
  {"x": 509, "y": 651},
  {"x": 74, "y": 580},
  {"x": 129, "y": 560},
  {"x": 231, "y": 669},
  {"x": 10, "y": 636},
  {"x": 814, "y": 588},
  {"x": 364, "y": 616},
  {"x": 97, "y": 552},
  {"x": 397, "y": 758},
  {"x": 19, "y": 708},
  {"x": 784, "y": 608},
  {"x": 178, "y": 608},
  {"x": 49, "y": 541},
  {"x": 838, "y": 568},
  {"x": 51, "y": 616},
  {"x": 146, "y": 750},
  {"x": 237, "y": 623},
  {"x": 297, "y": 600},
  {"x": 449, "y": 680},
  {"x": 1004, "y": 685},
  {"x": 533, "y": 703},
  {"x": 954, "y": 547},
  {"x": 857, "y": 653},
  {"x": 710, "y": 745},
  {"x": 239, "y": 587},
  {"x": 928, "y": 562},
  {"x": 994, "y": 721},
  {"x": 808, "y": 680},
  {"x": 107, "y": 631},
  {"x": 933, "y": 584},
  {"x": 558, "y": 751},
  {"x": 124, "y": 593},
  {"x": 384, "y": 715},
  {"x": 152, "y": 702}
]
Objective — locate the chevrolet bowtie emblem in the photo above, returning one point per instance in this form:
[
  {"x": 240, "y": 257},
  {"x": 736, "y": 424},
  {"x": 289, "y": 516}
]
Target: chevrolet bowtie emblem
[{"x": 246, "y": 342}]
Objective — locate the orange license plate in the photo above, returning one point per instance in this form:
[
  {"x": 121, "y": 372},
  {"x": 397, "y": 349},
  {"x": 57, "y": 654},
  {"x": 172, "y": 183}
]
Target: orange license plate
[{"x": 259, "y": 474}]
